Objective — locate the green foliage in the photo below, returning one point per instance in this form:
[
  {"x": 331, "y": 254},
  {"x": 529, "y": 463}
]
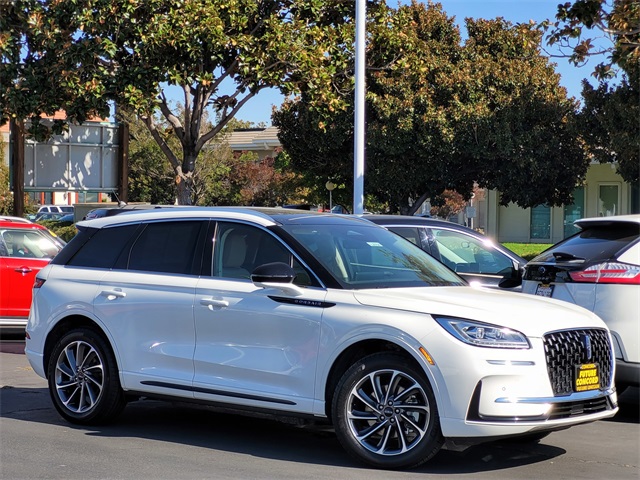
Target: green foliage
[
  {"x": 79, "y": 56},
  {"x": 580, "y": 21},
  {"x": 527, "y": 250},
  {"x": 442, "y": 115},
  {"x": 6, "y": 197},
  {"x": 610, "y": 117},
  {"x": 65, "y": 230},
  {"x": 610, "y": 122}
]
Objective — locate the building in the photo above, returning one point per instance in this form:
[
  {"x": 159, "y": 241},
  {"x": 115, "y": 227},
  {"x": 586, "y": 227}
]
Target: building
[{"x": 81, "y": 165}]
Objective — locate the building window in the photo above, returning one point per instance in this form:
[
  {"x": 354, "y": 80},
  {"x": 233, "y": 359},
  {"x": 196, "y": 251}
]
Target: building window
[
  {"x": 88, "y": 197},
  {"x": 540, "y": 225},
  {"x": 635, "y": 198},
  {"x": 573, "y": 212},
  {"x": 608, "y": 200}
]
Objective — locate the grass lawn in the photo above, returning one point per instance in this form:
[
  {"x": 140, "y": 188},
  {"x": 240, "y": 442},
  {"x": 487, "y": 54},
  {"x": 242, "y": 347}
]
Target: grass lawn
[{"x": 527, "y": 250}]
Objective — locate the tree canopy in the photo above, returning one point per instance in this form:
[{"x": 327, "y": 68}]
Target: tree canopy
[
  {"x": 610, "y": 117},
  {"x": 579, "y": 25},
  {"x": 80, "y": 55},
  {"x": 442, "y": 114}
]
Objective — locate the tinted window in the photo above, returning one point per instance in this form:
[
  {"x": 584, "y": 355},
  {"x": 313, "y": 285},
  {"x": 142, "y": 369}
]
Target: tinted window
[
  {"x": 168, "y": 247},
  {"x": 410, "y": 233},
  {"x": 102, "y": 249},
  {"x": 595, "y": 243}
]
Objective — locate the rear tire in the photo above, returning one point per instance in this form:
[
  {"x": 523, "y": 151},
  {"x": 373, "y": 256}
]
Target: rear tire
[
  {"x": 83, "y": 379},
  {"x": 385, "y": 414}
]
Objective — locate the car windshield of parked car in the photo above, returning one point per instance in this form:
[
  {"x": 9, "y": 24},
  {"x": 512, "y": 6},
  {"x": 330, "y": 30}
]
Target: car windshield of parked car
[{"x": 362, "y": 257}]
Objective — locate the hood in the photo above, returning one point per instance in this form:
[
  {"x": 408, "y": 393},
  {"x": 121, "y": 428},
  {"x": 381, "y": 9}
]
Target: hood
[{"x": 529, "y": 314}]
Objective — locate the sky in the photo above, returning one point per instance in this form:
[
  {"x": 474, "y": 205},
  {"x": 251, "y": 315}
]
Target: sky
[{"x": 258, "y": 109}]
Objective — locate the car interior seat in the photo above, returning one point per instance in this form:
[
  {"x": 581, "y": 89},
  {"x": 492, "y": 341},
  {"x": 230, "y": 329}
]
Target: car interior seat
[{"x": 234, "y": 253}]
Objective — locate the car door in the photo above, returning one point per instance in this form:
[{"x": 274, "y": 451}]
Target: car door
[
  {"x": 146, "y": 303},
  {"x": 255, "y": 346},
  {"x": 18, "y": 268}
]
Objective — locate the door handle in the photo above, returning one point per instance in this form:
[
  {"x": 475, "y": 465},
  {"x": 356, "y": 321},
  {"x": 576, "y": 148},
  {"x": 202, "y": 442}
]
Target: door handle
[
  {"x": 23, "y": 270},
  {"x": 113, "y": 294},
  {"x": 210, "y": 302}
]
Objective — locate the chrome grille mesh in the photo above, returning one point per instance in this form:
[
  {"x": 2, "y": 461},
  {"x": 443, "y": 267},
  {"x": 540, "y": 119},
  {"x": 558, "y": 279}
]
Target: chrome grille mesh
[{"x": 568, "y": 348}]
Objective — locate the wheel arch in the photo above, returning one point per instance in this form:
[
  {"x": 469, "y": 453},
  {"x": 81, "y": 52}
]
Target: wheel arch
[
  {"x": 66, "y": 325},
  {"x": 355, "y": 352}
]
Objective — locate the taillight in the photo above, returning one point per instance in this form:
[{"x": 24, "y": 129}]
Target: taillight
[
  {"x": 608, "y": 273},
  {"x": 38, "y": 282}
]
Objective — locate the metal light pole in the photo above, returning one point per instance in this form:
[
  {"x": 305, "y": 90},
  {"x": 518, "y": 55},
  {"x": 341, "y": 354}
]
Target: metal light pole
[
  {"x": 330, "y": 186},
  {"x": 359, "y": 130}
]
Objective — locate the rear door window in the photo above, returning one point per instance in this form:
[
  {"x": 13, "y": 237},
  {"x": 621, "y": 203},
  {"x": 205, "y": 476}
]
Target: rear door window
[{"x": 169, "y": 247}]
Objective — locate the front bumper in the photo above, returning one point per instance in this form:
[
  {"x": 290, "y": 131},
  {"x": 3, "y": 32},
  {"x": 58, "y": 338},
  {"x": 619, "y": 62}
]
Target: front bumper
[{"x": 558, "y": 413}]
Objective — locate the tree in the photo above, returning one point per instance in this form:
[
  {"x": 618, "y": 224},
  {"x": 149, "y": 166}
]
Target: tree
[
  {"x": 6, "y": 197},
  {"x": 446, "y": 204},
  {"x": 617, "y": 20},
  {"x": 442, "y": 115},
  {"x": 610, "y": 125},
  {"x": 80, "y": 55},
  {"x": 610, "y": 117},
  {"x": 514, "y": 123}
]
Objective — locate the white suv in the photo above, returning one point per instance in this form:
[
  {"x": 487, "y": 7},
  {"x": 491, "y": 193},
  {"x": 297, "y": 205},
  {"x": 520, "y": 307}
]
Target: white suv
[
  {"x": 598, "y": 268},
  {"x": 56, "y": 209},
  {"x": 313, "y": 315}
]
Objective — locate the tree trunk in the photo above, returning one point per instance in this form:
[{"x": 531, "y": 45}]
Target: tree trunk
[{"x": 184, "y": 179}]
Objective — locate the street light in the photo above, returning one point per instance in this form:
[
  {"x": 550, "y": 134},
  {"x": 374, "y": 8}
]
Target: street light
[{"x": 330, "y": 186}]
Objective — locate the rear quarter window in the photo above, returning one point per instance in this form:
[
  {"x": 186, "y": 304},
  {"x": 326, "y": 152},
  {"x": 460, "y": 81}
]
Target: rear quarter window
[{"x": 102, "y": 249}]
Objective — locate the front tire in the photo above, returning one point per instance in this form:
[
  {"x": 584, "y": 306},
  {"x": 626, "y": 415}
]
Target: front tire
[
  {"x": 83, "y": 379},
  {"x": 385, "y": 414}
]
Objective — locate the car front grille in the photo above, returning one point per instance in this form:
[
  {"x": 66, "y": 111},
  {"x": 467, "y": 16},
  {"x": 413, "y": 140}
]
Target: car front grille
[{"x": 567, "y": 349}]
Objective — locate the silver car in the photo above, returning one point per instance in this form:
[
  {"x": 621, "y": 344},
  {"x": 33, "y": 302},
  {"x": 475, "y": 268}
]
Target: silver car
[{"x": 598, "y": 268}]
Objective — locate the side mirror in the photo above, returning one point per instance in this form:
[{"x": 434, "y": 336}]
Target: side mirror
[
  {"x": 276, "y": 272},
  {"x": 276, "y": 275},
  {"x": 512, "y": 279}
]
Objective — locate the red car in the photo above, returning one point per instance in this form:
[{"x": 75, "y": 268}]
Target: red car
[{"x": 25, "y": 248}]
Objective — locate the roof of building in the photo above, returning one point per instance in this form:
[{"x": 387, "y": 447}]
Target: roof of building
[{"x": 254, "y": 139}]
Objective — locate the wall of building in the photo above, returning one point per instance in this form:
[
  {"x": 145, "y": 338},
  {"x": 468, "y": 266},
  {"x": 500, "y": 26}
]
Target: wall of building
[{"x": 513, "y": 223}]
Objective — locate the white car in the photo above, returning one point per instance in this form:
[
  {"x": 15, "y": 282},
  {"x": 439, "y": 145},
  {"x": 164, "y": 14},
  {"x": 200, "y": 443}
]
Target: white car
[
  {"x": 312, "y": 315},
  {"x": 598, "y": 268}
]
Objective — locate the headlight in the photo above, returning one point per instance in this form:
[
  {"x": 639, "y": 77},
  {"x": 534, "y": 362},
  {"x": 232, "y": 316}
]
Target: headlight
[{"x": 483, "y": 334}]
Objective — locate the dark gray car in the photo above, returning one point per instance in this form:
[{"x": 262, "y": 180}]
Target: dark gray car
[{"x": 475, "y": 257}]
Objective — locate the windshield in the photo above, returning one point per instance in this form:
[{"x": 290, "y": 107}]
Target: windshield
[{"x": 361, "y": 256}]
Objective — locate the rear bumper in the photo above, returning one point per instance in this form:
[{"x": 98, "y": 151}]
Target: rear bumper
[{"x": 13, "y": 324}]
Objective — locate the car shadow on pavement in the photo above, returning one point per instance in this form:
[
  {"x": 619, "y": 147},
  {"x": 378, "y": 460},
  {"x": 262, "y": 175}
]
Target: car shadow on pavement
[
  {"x": 629, "y": 403},
  {"x": 208, "y": 427}
]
